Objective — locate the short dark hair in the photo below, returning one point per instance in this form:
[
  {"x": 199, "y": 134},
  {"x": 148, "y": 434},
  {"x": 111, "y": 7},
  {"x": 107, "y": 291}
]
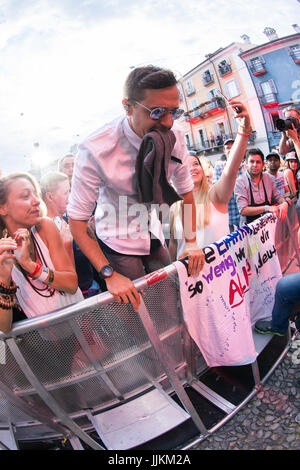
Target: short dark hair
[
  {"x": 148, "y": 77},
  {"x": 62, "y": 159},
  {"x": 255, "y": 152}
]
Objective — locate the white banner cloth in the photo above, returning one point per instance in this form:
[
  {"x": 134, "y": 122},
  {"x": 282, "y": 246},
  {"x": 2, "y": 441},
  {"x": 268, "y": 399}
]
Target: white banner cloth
[{"x": 235, "y": 288}]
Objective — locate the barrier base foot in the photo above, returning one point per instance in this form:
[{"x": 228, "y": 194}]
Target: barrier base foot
[{"x": 138, "y": 421}]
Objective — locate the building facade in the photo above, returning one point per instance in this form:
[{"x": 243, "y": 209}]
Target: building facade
[
  {"x": 274, "y": 68},
  {"x": 208, "y": 119}
]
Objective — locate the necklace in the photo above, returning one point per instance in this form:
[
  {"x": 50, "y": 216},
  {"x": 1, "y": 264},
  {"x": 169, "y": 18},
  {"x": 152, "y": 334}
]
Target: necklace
[{"x": 37, "y": 255}]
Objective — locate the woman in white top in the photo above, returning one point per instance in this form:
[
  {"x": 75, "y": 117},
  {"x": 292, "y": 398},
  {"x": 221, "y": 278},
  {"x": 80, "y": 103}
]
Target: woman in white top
[
  {"x": 211, "y": 201},
  {"x": 42, "y": 269}
]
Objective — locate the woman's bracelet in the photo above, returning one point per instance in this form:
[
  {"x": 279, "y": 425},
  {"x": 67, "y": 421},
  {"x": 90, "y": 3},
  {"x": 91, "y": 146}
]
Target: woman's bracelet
[
  {"x": 244, "y": 135},
  {"x": 44, "y": 274},
  {"x": 8, "y": 289},
  {"x": 37, "y": 268},
  {"x": 7, "y": 301}
]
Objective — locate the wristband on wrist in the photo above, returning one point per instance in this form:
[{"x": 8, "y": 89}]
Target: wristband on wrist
[
  {"x": 244, "y": 135},
  {"x": 44, "y": 274},
  {"x": 50, "y": 277},
  {"x": 267, "y": 209},
  {"x": 37, "y": 268}
]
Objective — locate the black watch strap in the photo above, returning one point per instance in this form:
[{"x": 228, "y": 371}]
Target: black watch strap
[{"x": 106, "y": 271}]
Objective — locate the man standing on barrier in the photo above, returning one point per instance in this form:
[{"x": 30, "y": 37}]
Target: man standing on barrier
[
  {"x": 113, "y": 167},
  {"x": 256, "y": 192}
]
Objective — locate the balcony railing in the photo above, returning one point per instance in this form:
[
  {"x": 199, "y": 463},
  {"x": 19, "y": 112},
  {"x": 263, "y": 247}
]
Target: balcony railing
[
  {"x": 207, "y": 148},
  {"x": 210, "y": 108},
  {"x": 207, "y": 79},
  {"x": 295, "y": 55},
  {"x": 258, "y": 68},
  {"x": 269, "y": 100},
  {"x": 190, "y": 91},
  {"x": 224, "y": 69}
]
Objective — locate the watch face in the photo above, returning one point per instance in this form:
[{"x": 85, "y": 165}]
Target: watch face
[{"x": 106, "y": 271}]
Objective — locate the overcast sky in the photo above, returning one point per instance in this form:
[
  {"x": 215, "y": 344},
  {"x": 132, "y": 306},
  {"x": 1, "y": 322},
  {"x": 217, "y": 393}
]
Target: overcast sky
[{"x": 63, "y": 62}]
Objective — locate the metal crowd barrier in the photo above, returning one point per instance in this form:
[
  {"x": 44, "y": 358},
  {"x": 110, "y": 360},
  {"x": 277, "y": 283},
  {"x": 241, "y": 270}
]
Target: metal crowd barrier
[
  {"x": 78, "y": 372},
  {"x": 286, "y": 239}
]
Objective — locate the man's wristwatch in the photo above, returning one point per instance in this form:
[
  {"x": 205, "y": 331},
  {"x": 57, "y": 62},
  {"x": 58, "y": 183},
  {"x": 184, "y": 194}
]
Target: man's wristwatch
[{"x": 106, "y": 271}]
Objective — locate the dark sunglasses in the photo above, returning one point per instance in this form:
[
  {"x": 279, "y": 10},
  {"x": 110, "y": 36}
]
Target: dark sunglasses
[{"x": 159, "y": 113}]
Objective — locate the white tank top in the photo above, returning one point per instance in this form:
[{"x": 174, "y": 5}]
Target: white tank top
[
  {"x": 217, "y": 228},
  {"x": 30, "y": 301}
]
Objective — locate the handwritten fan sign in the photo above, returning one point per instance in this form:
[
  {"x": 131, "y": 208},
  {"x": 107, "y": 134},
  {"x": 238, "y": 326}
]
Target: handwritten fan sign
[{"x": 235, "y": 288}]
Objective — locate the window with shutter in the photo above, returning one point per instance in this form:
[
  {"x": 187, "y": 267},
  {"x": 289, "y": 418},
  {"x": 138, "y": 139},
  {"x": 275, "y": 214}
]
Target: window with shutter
[
  {"x": 294, "y": 52},
  {"x": 213, "y": 93},
  {"x": 232, "y": 88},
  {"x": 273, "y": 86},
  {"x": 194, "y": 103},
  {"x": 190, "y": 87},
  {"x": 269, "y": 91},
  {"x": 257, "y": 65}
]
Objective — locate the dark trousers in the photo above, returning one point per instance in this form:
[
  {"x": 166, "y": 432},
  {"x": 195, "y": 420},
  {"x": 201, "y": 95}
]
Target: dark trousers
[{"x": 135, "y": 266}]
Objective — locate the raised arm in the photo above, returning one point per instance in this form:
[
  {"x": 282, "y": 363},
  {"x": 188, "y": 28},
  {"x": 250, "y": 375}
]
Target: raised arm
[
  {"x": 289, "y": 176},
  {"x": 293, "y": 135},
  {"x": 221, "y": 192},
  {"x": 284, "y": 144}
]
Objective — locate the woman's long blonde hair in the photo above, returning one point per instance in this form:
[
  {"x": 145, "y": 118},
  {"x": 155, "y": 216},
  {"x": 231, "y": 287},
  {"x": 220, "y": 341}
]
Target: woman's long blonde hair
[{"x": 202, "y": 202}]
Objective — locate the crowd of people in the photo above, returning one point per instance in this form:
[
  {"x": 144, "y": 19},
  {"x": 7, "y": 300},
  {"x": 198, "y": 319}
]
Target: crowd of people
[{"x": 69, "y": 236}]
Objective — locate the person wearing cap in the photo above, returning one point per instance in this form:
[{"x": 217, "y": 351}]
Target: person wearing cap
[
  {"x": 233, "y": 211},
  {"x": 256, "y": 192},
  {"x": 273, "y": 164},
  {"x": 291, "y": 173}
]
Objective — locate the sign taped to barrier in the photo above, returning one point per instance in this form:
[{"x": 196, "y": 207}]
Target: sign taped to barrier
[{"x": 235, "y": 288}]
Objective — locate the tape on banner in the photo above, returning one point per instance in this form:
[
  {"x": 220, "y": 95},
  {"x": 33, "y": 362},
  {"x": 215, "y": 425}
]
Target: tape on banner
[
  {"x": 2, "y": 352},
  {"x": 152, "y": 278}
]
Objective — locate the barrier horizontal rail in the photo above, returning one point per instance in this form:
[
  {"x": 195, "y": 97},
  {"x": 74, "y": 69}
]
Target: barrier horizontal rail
[{"x": 98, "y": 354}]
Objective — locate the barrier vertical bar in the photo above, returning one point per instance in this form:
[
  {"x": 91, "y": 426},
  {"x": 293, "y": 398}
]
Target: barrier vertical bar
[
  {"x": 23, "y": 406},
  {"x": 87, "y": 350},
  {"x": 168, "y": 367},
  {"x": 47, "y": 397}
]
